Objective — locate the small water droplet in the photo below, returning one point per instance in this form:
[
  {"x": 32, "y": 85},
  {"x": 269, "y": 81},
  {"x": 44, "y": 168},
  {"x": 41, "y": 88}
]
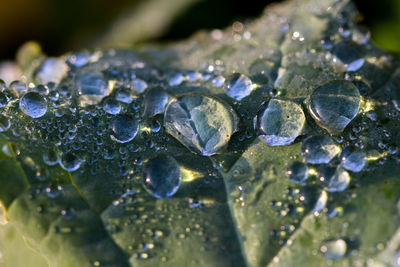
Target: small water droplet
[
  {"x": 139, "y": 86},
  {"x": 333, "y": 249},
  {"x": 352, "y": 159},
  {"x": 111, "y": 106},
  {"x": 161, "y": 176},
  {"x": 154, "y": 102},
  {"x": 18, "y": 87},
  {"x": 238, "y": 86},
  {"x": 70, "y": 162},
  {"x": 33, "y": 104},
  {"x": 319, "y": 149},
  {"x": 335, "y": 179},
  {"x": 4, "y": 123},
  {"x": 124, "y": 128},
  {"x": 281, "y": 122},
  {"x": 176, "y": 79},
  {"x": 334, "y": 105},
  {"x": 91, "y": 87},
  {"x": 297, "y": 172},
  {"x": 50, "y": 157}
]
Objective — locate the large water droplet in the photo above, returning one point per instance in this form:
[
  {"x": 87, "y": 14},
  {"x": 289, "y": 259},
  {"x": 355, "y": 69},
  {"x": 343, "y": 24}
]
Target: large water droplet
[
  {"x": 33, "y": 104},
  {"x": 352, "y": 159},
  {"x": 204, "y": 124},
  {"x": 281, "y": 122},
  {"x": 18, "y": 87},
  {"x": 4, "y": 123},
  {"x": 154, "y": 102},
  {"x": 161, "y": 176},
  {"x": 70, "y": 162},
  {"x": 334, "y": 105},
  {"x": 297, "y": 172},
  {"x": 333, "y": 249},
  {"x": 91, "y": 87},
  {"x": 238, "y": 86},
  {"x": 124, "y": 128},
  {"x": 319, "y": 149},
  {"x": 335, "y": 179}
]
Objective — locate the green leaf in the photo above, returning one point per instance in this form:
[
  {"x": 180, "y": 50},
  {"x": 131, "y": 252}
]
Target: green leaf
[{"x": 74, "y": 191}]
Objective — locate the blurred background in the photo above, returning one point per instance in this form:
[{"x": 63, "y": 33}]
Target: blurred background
[{"x": 64, "y": 25}]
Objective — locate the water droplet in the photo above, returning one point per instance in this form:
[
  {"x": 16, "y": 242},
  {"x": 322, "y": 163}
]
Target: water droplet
[
  {"x": 334, "y": 105},
  {"x": 154, "y": 102},
  {"x": 91, "y": 87},
  {"x": 176, "y": 79},
  {"x": 297, "y": 172},
  {"x": 238, "y": 86},
  {"x": 4, "y": 123},
  {"x": 52, "y": 70},
  {"x": 78, "y": 60},
  {"x": 202, "y": 123},
  {"x": 352, "y": 159},
  {"x": 335, "y": 179},
  {"x": 319, "y": 149},
  {"x": 161, "y": 176},
  {"x": 18, "y": 87},
  {"x": 281, "y": 122},
  {"x": 70, "y": 162},
  {"x": 111, "y": 106},
  {"x": 321, "y": 202},
  {"x": 124, "y": 128},
  {"x": 350, "y": 54},
  {"x": 139, "y": 86},
  {"x": 218, "y": 81},
  {"x": 33, "y": 104},
  {"x": 50, "y": 157},
  {"x": 333, "y": 249}
]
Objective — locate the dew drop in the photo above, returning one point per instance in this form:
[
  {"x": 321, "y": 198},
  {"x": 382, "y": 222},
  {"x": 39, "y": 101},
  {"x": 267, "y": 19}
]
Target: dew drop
[
  {"x": 3, "y": 100},
  {"x": 33, "y": 104},
  {"x": 124, "y": 128},
  {"x": 161, "y": 176},
  {"x": 91, "y": 87},
  {"x": 352, "y": 159},
  {"x": 334, "y": 179},
  {"x": 297, "y": 172},
  {"x": 18, "y": 87},
  {"x": 111, "y": 106},
  {"x": 281, "y": 122},
  {"x": 321, "y": 202},
  {"x": 70, "y": 162},
  {"x": 139, "y": 86},
  {"x": 52, "y": 70},
  {"x": 238, "y": 86},
  {"x": 334, "y": 105},
  {"x": 333, "y": 249},
  {"x": 176, "y": 79},
  {"x": 204, "y": 124},
  {"x": 154, "y": 102},
  {"x": 50, "y": 157},
  {"x": 319, "y": 149},
  {"x": 350, "y": 54}
]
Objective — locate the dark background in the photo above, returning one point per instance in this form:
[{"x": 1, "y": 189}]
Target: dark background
[{"x": 64, "y": 25}]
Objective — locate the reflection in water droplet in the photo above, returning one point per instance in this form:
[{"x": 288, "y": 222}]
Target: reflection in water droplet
[
  {"x": 154, "y": 102},
  {"x": 201, "y": 123},
  {"x": 161, "y": 176},
  {"x": 352, "y": 159},
  {"x": 333, "y": 249},
  {"x": 111, "y": 106},
  {"x": 297, "y": 172},
  {"x": 124, "y": 128},
  {"x": 281, "y": 122},
  {"x": 334, "y": 105},
  {"x": 70, "y": 162},
  {"x": 319, "y": 149},
  {"x": 33, "y": 104},
  {"x": 4, "y": 123},
  {"x": 238, "y": 86},
  {"x": 335, "y": 179}
]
